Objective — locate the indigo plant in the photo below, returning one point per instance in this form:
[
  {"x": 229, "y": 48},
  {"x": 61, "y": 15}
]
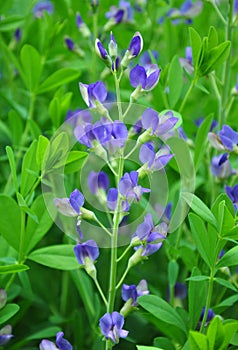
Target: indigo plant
[{"x": 119, "y": 175}]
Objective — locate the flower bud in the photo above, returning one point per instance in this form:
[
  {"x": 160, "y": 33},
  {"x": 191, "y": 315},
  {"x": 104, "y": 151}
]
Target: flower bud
[{"x": 112, "y": 46}]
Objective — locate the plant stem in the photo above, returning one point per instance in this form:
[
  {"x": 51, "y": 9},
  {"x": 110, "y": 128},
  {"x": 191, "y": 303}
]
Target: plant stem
[
  {"x": 22, "y": 238},
  {"x": 124, "y": 253},
  {"x": 100, "y": 291},
  {"x": 118, "y": 96},
  {"x": 187, "y": 95},
  {"x": 123, "y": 277},
  {"x": 220, "y": 15},
  {"x": 208, "y": 301}
]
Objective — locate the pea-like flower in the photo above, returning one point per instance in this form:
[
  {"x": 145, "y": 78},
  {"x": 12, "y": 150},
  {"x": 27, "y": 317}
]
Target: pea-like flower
[
  {"x": 145, "y": 79},
  {"x": 232, "y": 192},
  {"x": 123, "y": 13},
  {"x": 150, "y": 236},
  {"x": 61, "y": 343},
  {"x": 70, "y": 206},
  {"x": 93, "y": 93},
  {"x": 134, "y": 49},
  {"x": 159, "y": 125},
  {"x": 111, "y": 326},
  {"x": 148, "y": 58},
  {"x": 227, "y": 139},
  {"x": 5, "y": 335},
  {"x": 129, "y": 188},
  {"x": 98, "y": 181},
  {"x": 187, "y": 62},
  {"x": 154, "y": 161},
  {"x": 133, "y": 292},
  {"x": 42, "y": 6},
  {"x": 88, "y": 249},
  {"x": 221, "y": 166},
  {"x": 112, "y": 198}
]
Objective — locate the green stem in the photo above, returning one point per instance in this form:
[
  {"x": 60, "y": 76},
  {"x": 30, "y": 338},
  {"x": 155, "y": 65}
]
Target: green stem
[
  {"x": 118, "y": 96},
  {"x": 132, "y": 150},
  {"x": 100, "y": 291},
  {"x": 95, "y": 35},
  {"x": 123, "y": 277},
  {"x": 227, "y": 67},
  {"x": 103, "y": 227},
  {"x": 220, "y": 15},
  {"x": 187, "y": 95},
  {"x": 208, "y": 301},
  {"x": 124, "y": 253},
  {"x": 218, "y": 96}
]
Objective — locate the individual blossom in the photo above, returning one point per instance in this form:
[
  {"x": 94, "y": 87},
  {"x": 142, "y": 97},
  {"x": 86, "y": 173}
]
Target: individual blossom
[
  {"x": 61, "y": 343},
  {"x": 232, "y": 192},
  {"x": 187, "y": 62},
  {"x": 210, "y": 316},
  {"x": 226, "y": 139},
  {"x": 112, "y": 200},
  {"x": 158, "y": 125},
  {"x": 152, "y": 160},
  {"x": 82, "y": 27},
  {"x": 129, "y": 188},
  {"x": 5, "y": 335},
  {"x": 78, "y": 117},
  {"x": 110, "y": 57},
  {"x": 86, "y": 253},
  {"x": 98, "y": 182},
  {"x": 111, "y": 326},
  {"x": 93, "y": 94},
  {"x": 144, "y": 79},
  {"x": 185, "y": 13},
  {"x": 123, "y": 13},
  {"x": 134, "y": 49},
  {"x": 133, "y": 292},
  {"x": 70, "y": 44},
  {"x": 42, "y": 6},
  {"x": 149, "y": 237},
  {"x": 221, "y": 166},
  {"x": 164, "y": 214}
]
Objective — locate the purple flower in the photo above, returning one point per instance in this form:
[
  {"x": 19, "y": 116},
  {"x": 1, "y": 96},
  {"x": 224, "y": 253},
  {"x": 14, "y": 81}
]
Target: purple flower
[
  {"x": 111, "y": 326},
  {"x": 221, "y": 166},
  {"x": 112, "y": 46},
  {"x": 236, "y": 7},
  {"x": 199, "y": 121},
  {"x": 100, "y": 50},
  {"x": 180, "y": 291},
  {"x": 227, "y": 139},
  {"x": 150, "y": 236},
  {"x": 93, "y": 93},
  {"x": 232, "y": 192},
  {"x": 42, "y": 6},
  {"x": 70, "y": 206},
  {"x": 160, "y": 126},
  {"x": 112, "y": 197},
  {"x": 61, "y": 343},
  {"x": 97, "y": 181},
  {"x": 123, "y": 13},
  {"x": 164, "y": 213},
  {"x": 17, "y": 34},
  {"x": 210, "y": 315},
  {"x": 136, "y": 45},
  {"x": 78, "y": 117},
  {"x": 154, "y": 161},
  {"x": 189, "y": 9},
  {"x": 88, "y": 249},
  {"x": 187, "y": 62},
  {"x": 82, "y": 27},
  {"x": 128, "y": 186},
  {"x": 69, "y": 43},
  {"x": 147, "y": 79},
  {"x": 5, "y": 335},
  {"x": 133, "y": 292}
]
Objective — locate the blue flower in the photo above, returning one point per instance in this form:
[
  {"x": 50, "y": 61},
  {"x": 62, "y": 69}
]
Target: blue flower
[
  {"x": 149, "y": 237},
  {"x": 123, "y": 13},
  {"x": 232, "y": 192},
  {"x": 97, "y": 181},
  {"x": 70, "y": 206},
  {"x": 112, "y": 198},
  {"x": 61, "y": 343},
  {"x": 129, "y": 188},
  {"x": 42, "y": 6},
  {"x": 146, "y": 60},
  {"x": 154, "y": 161},
  {"x": 187, "y": 62},
  {"x": 227, "y": 139},
  {"x": 78, "y": 117},
  {"x": 5, "y": 335},
  {"x": 111, "y": 326},
  {"x": 93, "y": 93},
  {"x": 221, "y": 166},
  {"x": 161, "y": 126},
  {"x": 69, "y": 43},
  {"x": 17, "y": 34},
  {"x": 146, "y": 79},
  {"x": 88, "y": 249},
  {"x": 133, "y": 292}
]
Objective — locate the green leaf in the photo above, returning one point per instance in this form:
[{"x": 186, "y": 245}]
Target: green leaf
[
  {"x": 225, "y": 304},
  {"x": 173, "y": 272},
  {"x": 22, "y": 204},
  {"x": 164, "y": 343},
  {"x": 55, "y": 111},
  {"x": 7, "y": 312},
  {"x": 14, "y": 268},
  {"x": 196, "y": 43},
  {"x": 204, "y": 246},
  {"x": 10, "y": 221},
  {"x": 35, "y": 232},
  {"x": 233, "y": 234},
  {"x": 44, "y": 333},
  {"x": 215, "y": 333},
  {"x": 230, "y": 328},
  {"x": 198, "y": 278},
  {"x": 175, "y": 81},
  {"x": 10, "y": 23},
  {"x": 16, "y": 127},
  {"x": 56, "y": 155},
  {"x": 12, "y": 163},
  {"x": 196, "y": 298},
  {"x": 197, "y": 341},
  {"x": 219, "y": 199},
  {"x": 189, "y": 257},
  {"x": 75, "y": 161},
  {"x": 229, "y": 259},
  {"x": 202, "y": 140},
  {"x": 225, "y": 283},
  {"x": 32, "y": 67},
  {"x": 29, "y": 163},
  {"x": 58, "y": 78},
  {"x": 160, "y": 309},
  {"x": 215, "y": 57},
  {"x": 42, "y": 145},
  {"x": 57, "y": 257},
  {"x": 199, "y": 207},
  {"x": 142, "y": 347},
  {"x": 212, "y": 38}
]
